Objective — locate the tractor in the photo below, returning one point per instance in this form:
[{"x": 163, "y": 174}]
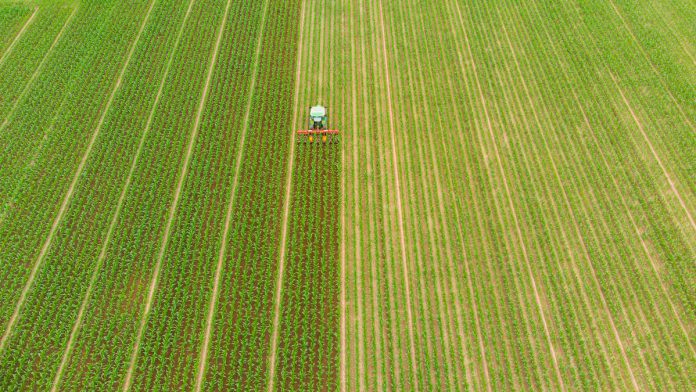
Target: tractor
[{"x": 317, "y": 127}]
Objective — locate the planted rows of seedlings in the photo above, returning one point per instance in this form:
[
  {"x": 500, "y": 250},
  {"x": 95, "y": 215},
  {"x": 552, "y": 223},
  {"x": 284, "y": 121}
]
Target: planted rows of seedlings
[
  {"x": 30, "y": 56},
  {"x": 545, "y": 247},
  {"x": 13, "y": 17},
  {"x": 308, "y": 331},
  {"x": 243, "y": 317},
  {"x": 48, "y": 316},
  {"x": 126, "y": 289},
  {"x": 130, "y": 248},
  {"x": 173, "y": 337},
  {"x": 513, "y": 183},
  {"x": 39, "y": 178}
]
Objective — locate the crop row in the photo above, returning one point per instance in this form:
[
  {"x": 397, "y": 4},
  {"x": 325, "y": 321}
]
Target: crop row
[
  {"x": 60, "y": 286},
  {"x": 121, "y": 290},
  {"x": 20, "y": 67},
  {"x": 13, "y": 18},
  {"x": 241, "y": 324},
  {"x": 174, "y": 334},
  {"x": 43, "y": 180},
  {"x": 308, "y": 343}
]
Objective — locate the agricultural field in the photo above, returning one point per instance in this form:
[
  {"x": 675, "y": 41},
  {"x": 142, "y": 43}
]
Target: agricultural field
[{"x": 510, "y": 203}]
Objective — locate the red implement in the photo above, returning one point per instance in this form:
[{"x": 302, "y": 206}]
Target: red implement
[{"x": 318, "y": 132}]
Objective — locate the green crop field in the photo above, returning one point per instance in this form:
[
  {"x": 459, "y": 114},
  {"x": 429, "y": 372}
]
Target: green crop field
[{"x": 510, "y": 203}]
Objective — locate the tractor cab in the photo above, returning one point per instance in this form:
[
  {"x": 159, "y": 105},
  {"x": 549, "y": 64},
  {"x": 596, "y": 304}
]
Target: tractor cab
[{"x": 317, "y": 117}]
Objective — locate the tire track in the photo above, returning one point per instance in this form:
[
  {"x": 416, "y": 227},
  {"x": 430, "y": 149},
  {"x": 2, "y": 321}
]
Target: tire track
[
  {"x": 76, "y": 177},
  {"x": 175, "y": 202},
  {"x": 102, "y": 254},
  {"x": 230, "y": 206}
]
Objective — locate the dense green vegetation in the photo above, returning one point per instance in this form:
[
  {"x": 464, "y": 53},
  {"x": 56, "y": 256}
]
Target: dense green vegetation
[{"x": 510, "y": 204}]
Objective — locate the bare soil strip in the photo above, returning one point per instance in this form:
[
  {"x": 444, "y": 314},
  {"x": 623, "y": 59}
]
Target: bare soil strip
[
  {"x": 175, "y": 203},
  {"x": 652, "y": 66},
  {"x": 286, "y": 209},
  {"x": 18, "y": 36},
  {"x": 399, "y": 208},
  {"x": 76, "y": 177},
  {"x": 37, "y": 71},
  {"x": 572, "y": 214},
  {"x": 514, "y": 214},
  {"x": 119, "y": 206},
  {"x": 230, "y": 207}
]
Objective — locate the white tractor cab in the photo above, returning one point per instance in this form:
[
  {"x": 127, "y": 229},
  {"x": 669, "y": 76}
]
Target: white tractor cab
[{"x": 317, "y": 117}]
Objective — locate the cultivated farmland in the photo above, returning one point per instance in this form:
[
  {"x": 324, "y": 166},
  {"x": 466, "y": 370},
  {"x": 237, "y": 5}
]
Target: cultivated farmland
[{"x": 510, "y": 203}]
